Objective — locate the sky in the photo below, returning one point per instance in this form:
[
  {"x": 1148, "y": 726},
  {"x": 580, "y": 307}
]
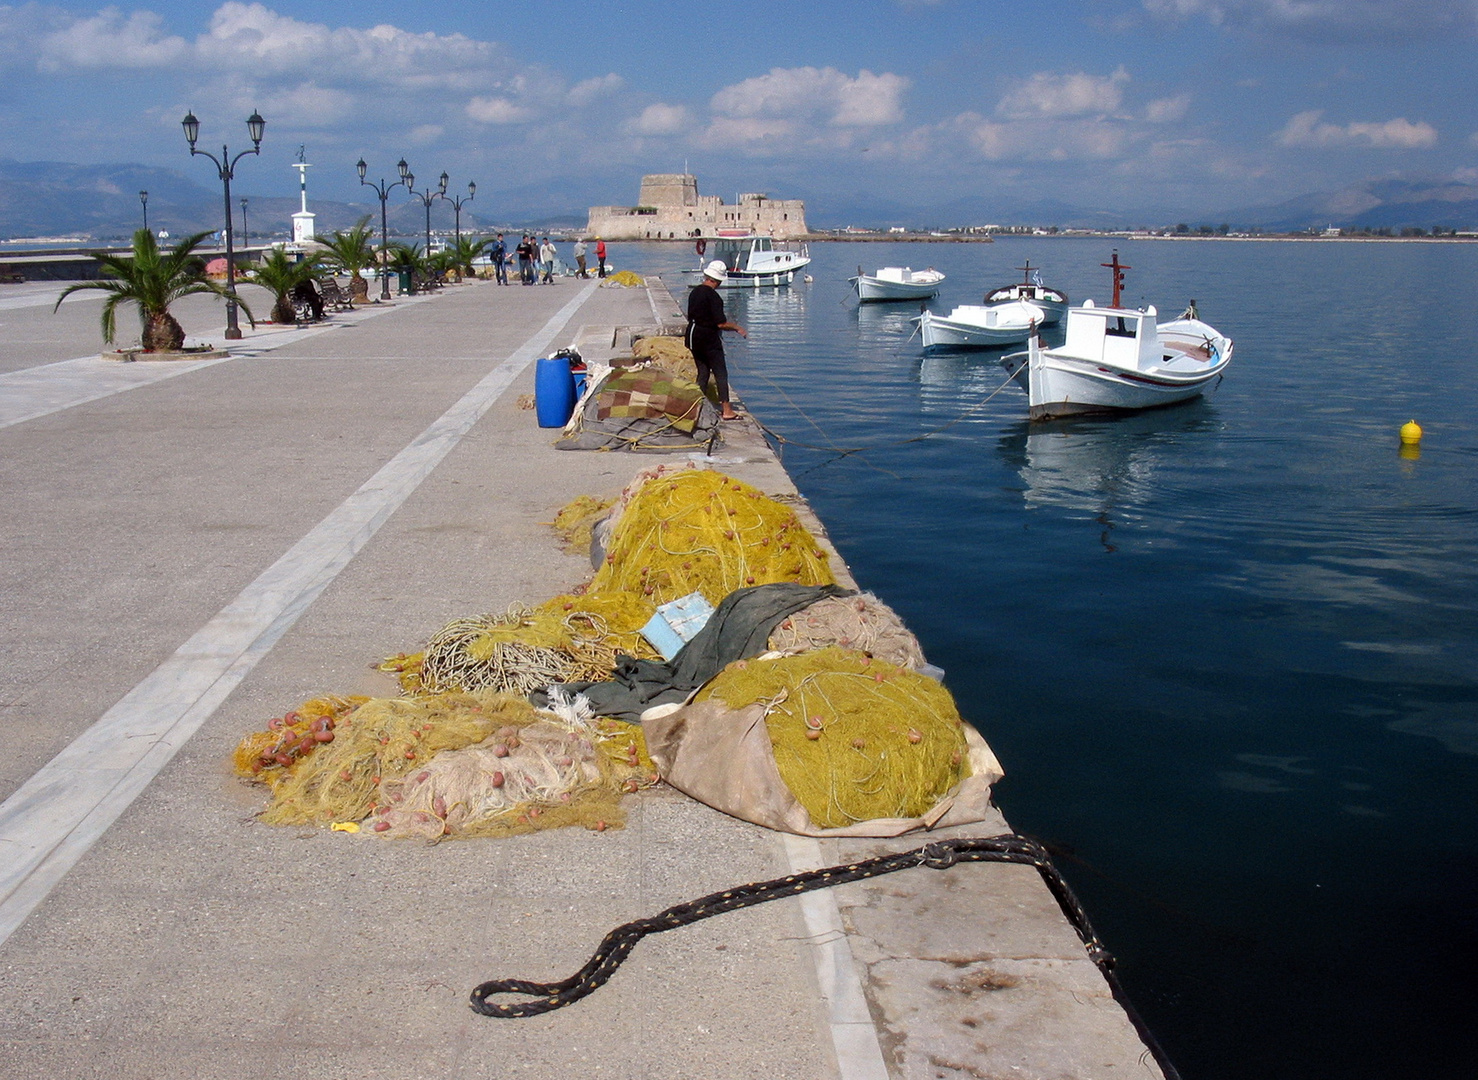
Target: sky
[{"x": 1123, "y": 104}]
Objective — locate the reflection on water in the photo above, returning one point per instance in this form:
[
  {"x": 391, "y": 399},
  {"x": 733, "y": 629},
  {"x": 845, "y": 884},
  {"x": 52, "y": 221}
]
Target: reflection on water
[
  {"x": 1102, "y": 466},
  {"x": 1225, "y": 650}
]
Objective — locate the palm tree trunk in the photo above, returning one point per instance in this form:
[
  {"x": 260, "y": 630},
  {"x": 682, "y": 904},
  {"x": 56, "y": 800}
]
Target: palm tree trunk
[{"x": 162, "y": 333}]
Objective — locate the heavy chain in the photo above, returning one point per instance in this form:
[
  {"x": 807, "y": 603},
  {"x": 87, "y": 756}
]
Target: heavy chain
[{"x": 939, "y": 855}]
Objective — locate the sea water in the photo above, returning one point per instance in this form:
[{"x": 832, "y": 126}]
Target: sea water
[{"x": 1227, "y": 651}]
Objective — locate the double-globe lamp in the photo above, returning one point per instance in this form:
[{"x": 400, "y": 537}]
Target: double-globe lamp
[
  {"x": 226, "y": 168},
  {"x": 382, "y": 189}
]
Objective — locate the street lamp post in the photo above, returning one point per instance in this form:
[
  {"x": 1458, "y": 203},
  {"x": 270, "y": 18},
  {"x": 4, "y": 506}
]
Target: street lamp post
[
  {"x": 427, "y": 197},
  {"x": 458, "y": 201},
  {"x": 226, "y": 168},
  {"x": 144, "y": 202},
  {"x": 382, "y": 189},
  {"x": 245, "y": 236}
]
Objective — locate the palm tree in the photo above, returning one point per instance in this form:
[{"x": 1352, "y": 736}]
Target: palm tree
[
  {"x": 280, "y": 275},
  {"x": 465, "y": 250},
  {"x": 153, "y": 280},
  {"x": 349, "y": 251}
]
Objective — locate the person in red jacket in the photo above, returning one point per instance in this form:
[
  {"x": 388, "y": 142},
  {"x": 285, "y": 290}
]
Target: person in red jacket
[{"x": 600, "y": 255}]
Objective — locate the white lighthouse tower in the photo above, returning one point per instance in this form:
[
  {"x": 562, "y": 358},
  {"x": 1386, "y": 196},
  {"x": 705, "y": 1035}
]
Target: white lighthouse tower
[{"x": 303, "y": 220}]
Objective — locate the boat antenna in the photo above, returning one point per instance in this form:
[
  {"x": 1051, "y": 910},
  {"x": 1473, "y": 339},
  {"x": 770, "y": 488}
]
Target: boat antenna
[
  {"x": 1026, "y": 272},
  {"x": 1118, "y": 268}
]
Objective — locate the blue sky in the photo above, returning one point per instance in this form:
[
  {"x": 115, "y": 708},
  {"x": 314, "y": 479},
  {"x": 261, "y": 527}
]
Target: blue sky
[{"x": 1198, "y": 104}]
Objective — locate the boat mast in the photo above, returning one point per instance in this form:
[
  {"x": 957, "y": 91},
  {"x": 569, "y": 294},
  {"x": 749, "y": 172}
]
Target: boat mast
[{"x": 1118, "y": 268}]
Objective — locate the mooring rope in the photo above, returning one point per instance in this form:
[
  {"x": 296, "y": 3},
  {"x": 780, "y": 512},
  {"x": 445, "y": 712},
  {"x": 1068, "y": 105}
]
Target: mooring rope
[{"x": 617, "y": 945}]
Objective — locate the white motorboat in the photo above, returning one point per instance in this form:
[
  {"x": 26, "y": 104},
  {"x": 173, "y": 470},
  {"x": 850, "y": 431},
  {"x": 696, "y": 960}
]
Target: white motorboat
[
  {"x": 753, "y": 261},
  {"x": 981, "y": 326},
  {"x": 1053, "y": 302},
  {"x": 1116, "y": 359},
  {"x": 896, "y": 283}
]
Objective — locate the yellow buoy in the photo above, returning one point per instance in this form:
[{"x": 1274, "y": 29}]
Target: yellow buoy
[{"x": 1411, "y": 432}]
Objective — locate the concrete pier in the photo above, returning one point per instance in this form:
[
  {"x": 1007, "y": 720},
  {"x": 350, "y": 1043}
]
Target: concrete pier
[{"x": 190, "y": 548}]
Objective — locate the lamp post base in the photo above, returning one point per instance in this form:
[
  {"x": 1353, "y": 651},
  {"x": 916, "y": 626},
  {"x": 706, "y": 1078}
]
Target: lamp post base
[{"x": 233, "y": 333}]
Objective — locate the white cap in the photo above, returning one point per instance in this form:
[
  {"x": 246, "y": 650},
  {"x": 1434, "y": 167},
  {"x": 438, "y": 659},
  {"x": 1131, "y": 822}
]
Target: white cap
[{"x": 716, "y": 270}]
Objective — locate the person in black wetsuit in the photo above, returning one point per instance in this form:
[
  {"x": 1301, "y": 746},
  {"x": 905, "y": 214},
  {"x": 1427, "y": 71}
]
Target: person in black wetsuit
[{"x": 704, "y": 339}]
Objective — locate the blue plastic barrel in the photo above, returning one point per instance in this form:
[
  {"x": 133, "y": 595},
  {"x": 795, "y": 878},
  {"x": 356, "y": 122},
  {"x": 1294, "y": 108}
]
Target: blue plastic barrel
[{"x": 554, "y": 392}]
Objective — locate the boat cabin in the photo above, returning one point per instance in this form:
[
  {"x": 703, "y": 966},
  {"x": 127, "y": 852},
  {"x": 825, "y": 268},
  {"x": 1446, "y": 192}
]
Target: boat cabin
[{"x": 1113, "y": 336}]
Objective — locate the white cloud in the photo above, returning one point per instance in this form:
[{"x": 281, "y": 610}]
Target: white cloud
[
  {"x": 823, "y": 95},
  {"x": 1048, "y": 95},
  {"x": 497, "y": 110},
  {"x": 1333, "y": 20},
  {"x": 426, "y": 134},
  {"x": 1065, "y": 140},
  {"x": 590, "y": 91},
  {"x": 1166, "y": 110},
  {"x": 111, "y": 39},
  {"x": 1305, "y": 131},
  {"x": 660, "y": 119}
]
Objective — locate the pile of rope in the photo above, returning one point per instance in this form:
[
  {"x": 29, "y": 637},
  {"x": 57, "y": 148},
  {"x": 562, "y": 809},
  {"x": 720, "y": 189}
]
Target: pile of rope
[
  {"x": 854, "y": 738},
  {"x": 565, "y": 639},
  {"x": 701, "y": 531},
  {"x": 456, "y": 765},
  {"x": 863, "y": 623}
]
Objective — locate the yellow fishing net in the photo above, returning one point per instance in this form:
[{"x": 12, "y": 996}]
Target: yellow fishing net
[
  {"x": 669, "y": 353},
  {"x": 386, "y": 749},
  {"x": 575, "y": 520},
  {"x": 854, "y": 738},
  {"x": 624, "y": 278},
  {"x": 702, "y": 531}
]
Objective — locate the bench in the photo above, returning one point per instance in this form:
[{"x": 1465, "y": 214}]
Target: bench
[{"x": 334, "y": 298}]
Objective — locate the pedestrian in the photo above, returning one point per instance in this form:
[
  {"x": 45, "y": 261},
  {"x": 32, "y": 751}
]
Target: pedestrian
[
  {"x": 499, "y": 255},
  {"x": 580, "y": 258},
  {"x": 547, "y": 255},
  {"x": 600, "y": 255},
  {"x": 525, "y": 253},
  {"x": 704, "y": 337}
]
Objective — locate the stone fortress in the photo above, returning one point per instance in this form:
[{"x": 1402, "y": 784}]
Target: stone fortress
[{"x": 670, "y": 208}]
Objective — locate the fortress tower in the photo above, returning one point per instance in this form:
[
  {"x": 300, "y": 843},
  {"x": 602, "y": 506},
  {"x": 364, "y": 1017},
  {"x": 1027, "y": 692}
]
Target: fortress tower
[{"x": 670, "y": 208}]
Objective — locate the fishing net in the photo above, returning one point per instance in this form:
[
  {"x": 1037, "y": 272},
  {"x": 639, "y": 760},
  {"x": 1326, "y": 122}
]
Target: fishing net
[
  {"x": 702, "y": 531},
  {"x": 862, "y": 622},
  {"x": 525, "y": 649},
  {"x": 380, "y": 739},
  {"x": 669, "y": 353},
  {"x": 854, "y": 738},
  {"x": 267, "y": 755},
  {"x": 544, "y": 774},
  {"x": 452, "y": 765},
  {"x": 575, "y": 520},
  {"x": 624, "y": 278}
]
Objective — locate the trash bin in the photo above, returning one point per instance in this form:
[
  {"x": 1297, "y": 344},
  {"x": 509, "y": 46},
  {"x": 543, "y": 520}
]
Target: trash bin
[
  {"x": 554, "y": 392},
  {"x": 405, "y": 281}
]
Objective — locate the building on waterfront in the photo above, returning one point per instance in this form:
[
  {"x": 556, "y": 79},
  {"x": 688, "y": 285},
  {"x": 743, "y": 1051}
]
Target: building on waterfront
[{"x": 669, "y": 207}]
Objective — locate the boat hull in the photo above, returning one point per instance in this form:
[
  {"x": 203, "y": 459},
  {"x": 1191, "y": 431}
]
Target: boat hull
[
  {"x": 976, "y": 327},
  {"x": 872, "y": 290},
  {"x": 1059, "y": 386}
]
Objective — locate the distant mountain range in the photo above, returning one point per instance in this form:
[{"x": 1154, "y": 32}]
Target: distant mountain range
[
  {"x": 1392, "y": 203},
  {"x": 42, "y": 198},
  {"x": 50, "y": 198}
]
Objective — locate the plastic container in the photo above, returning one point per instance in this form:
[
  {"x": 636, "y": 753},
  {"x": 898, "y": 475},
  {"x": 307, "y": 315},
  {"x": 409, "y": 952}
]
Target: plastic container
[{"x": 554, "y": 392}]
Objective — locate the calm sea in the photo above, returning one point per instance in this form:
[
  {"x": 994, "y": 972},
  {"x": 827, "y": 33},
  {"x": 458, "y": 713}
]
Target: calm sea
[{"x": 1227, "y": 651}]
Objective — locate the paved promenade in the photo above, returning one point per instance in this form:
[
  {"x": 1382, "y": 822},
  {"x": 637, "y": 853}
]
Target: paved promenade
[{"x": 190, "y": 548}]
